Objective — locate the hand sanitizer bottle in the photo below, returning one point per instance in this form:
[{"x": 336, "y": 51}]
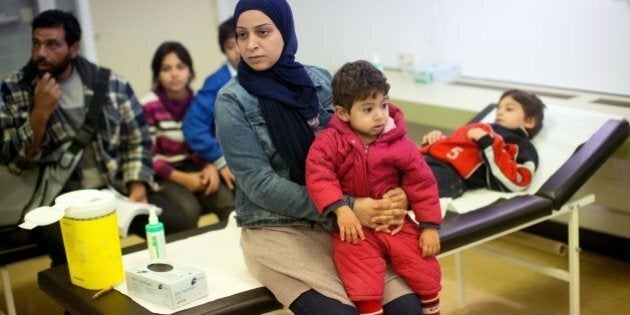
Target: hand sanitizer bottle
[{"x": 156, "y": 241}]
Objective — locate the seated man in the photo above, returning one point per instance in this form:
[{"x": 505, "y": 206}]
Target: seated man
[{"x": 44, "y": 105}]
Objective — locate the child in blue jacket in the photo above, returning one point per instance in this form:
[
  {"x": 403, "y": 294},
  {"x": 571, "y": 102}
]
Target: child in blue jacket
[{"x": 198, "y": 124}]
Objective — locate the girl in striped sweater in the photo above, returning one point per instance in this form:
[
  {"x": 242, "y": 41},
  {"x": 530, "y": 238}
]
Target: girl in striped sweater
[{"x": 184, "y": 177}]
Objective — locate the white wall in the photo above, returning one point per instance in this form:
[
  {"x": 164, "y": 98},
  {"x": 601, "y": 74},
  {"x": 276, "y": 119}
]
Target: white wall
[
  {"x": 577, "y": 44},
  {"x": 129, "y": 31}
]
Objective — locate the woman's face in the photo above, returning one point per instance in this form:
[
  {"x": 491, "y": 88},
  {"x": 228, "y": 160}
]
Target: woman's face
[
  {"x": 259, "y": 40},
  {"x": 174, "y": 75}
]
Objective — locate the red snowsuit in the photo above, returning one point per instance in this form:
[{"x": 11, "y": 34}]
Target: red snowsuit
[{"x": 339, "y": 163}]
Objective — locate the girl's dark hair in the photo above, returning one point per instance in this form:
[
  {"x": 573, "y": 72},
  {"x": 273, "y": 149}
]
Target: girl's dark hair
[
  {"x": 532, "y": 106},
  {"x": 57, "y": 18},
  {"x": 356, "y": 81},
  {"x": 165, "y": 49},
  {"x": 227, "y": 30}
]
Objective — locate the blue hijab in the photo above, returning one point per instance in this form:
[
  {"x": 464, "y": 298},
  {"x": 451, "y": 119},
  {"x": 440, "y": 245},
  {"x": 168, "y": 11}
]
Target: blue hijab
[{"x": 286, "y": 93}]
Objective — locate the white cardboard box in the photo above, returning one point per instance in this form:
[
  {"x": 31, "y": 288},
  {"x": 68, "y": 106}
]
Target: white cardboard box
[{"x": 170, "y": 285}]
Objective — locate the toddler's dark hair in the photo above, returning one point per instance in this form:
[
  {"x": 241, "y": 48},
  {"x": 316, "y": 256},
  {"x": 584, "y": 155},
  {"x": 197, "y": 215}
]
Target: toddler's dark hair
[
  {"x": 356, "y": 81},
  {"x": 532, "y": 106},
  {"x": 227, "y": 30}
]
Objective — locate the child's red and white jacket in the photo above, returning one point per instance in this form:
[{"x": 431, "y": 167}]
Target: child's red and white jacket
[{"x": 503, "y": 160}]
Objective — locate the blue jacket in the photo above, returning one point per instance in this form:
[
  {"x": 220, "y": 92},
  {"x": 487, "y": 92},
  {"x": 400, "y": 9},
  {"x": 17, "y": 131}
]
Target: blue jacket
[
  {"x": 264, "y": 194},
  {"x": 199, "y": 126}
]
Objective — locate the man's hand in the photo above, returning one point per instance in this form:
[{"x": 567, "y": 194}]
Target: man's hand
[
  {"x": 138, "y": 192},
  {"x": 46, "y": 98},
  {"x": 47, "y": 95}
]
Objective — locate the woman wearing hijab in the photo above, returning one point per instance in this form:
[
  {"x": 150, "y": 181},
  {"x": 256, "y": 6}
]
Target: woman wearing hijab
[{"x": 267, "y": 118}]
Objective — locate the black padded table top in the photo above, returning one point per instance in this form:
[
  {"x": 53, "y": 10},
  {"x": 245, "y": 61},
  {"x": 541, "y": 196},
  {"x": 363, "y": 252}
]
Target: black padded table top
[
  {"x": 461, "y": 229},
  {"x": 56, "y": 283},
  {"x": 457, "y": 230}
]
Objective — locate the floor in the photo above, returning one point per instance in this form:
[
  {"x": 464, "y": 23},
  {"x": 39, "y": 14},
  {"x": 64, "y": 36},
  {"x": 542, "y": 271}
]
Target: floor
[
  {"x": 496, "y": 287},
  {"x": 493, "y": 286}
]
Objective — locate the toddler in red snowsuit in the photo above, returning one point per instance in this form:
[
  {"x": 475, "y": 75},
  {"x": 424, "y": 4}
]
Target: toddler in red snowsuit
[{"x": 364, "y": 152}]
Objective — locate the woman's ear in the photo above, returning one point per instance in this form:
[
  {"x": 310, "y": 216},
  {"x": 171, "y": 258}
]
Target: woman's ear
[{"x": 342, "y": 113}]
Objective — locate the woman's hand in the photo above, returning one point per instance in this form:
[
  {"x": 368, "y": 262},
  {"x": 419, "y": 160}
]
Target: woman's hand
[{"x": 390, "y": 211}]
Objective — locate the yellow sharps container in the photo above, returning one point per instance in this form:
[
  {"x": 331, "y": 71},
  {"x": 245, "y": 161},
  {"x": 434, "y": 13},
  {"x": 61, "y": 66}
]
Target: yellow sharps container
[{"x": 90, "y": 237}]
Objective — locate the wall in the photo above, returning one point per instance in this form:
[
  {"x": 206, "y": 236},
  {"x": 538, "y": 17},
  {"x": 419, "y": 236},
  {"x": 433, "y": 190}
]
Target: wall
[
  {"x": 128, "y": 32},
  {"x": 15, "y": 29},
  {"x": 15, "y": 34},
  {"x": 576, "y": 44}
]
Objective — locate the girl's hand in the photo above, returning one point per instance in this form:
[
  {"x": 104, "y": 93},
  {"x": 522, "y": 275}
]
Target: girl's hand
[
  {"x": 192, "y": 181},
  {"x": 210, "y": 178},
  {"x": 228, "y": 177}
]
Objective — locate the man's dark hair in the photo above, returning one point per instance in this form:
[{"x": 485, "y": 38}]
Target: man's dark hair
[
  {"x": 532, "y": 106},
  {"x": 356, "y": 81},
  {"x": 227, "y": 30},
  {"x": 165, "y": 49},
  {"x": 57, "y": 18}
]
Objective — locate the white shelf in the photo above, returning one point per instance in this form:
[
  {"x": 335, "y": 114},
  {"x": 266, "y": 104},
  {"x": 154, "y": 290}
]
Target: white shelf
[
  {"x": 471, "y": 98},
  {"x": 8, "y": 20}
]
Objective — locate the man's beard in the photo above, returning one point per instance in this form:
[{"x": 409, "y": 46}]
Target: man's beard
[{"x": 56, "y": 70}]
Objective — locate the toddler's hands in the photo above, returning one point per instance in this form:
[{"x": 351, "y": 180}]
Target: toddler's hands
[
  {"x": 432, "y": 136},
  {"x": 429, "y": 242},
  {"x": 476, "y": 133},
  {"x": 350, "y": 229}
]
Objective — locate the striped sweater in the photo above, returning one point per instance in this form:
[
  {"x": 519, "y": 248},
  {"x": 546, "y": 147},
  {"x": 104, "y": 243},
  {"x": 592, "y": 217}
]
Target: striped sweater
[{"x": 164, "y": 117}]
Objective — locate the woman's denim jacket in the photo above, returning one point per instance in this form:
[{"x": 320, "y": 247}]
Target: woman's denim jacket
[{"x": 264, "y": 194}]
